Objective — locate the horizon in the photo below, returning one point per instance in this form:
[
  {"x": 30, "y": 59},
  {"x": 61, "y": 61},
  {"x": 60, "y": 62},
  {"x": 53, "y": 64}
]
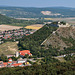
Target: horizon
[
  {"x": 37, "y": 7},
  {"x": 38, "y": 4}
]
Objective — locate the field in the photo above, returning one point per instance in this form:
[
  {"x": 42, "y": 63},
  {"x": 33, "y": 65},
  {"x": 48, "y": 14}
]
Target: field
[
  {"x": 69, "y": 20},
  {"x": 7, "y": 27},
  {"x": 26, "y": 18},
  {"x": 48, "y": 18},
  {"x": 36, "y": 26},
  {"x": 8, "y": 48}
]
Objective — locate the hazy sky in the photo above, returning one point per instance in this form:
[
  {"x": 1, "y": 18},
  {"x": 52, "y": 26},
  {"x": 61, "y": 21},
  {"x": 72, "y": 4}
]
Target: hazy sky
[{"x": 38, "y": 3}]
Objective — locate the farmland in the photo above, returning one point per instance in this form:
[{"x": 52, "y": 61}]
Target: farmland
[
  {"x": 70, "y": 20},
  {"x": 8, "y": 27},
  {"x": 36, "y": 26}
]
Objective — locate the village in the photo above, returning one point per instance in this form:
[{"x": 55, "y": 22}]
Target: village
[
  {"x": 24, "y": 57},
  {"x": 15, "y": 34},
  {"x": 20, "y": 62}
]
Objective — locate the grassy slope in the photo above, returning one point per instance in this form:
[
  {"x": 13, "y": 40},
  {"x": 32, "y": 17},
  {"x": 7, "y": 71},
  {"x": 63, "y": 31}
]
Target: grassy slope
[
  {"x": 8, "y": 48},
  {"x": 62, "y": 38}
]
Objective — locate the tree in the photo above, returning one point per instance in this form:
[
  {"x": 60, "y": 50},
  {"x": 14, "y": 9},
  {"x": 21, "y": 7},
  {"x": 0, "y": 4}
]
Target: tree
[{"x": 4, "y": 58}]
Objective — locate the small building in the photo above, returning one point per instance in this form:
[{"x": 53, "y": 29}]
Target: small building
[
  {"x": 24, "y": 52},
  {"x": 21, "y": 60},
  {"x": 17, "y": 64},
  {"x": 14, "y": 62},
  {"x": 9, "y": 63},
  {"x": 1, "y": 62},
  {"x": 5, "y": 64},
  {"x": 10, "y": 60}
]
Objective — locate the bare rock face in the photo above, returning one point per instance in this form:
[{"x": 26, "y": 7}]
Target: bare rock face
[
  {"x": 49, "y": 13},
  {"x": 60, "y": 39}
]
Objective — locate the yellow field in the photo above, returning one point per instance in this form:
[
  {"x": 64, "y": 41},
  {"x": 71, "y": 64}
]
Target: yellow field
[
  {"x": 48, "y": 18},
  {"x": 36, "y": 26}
]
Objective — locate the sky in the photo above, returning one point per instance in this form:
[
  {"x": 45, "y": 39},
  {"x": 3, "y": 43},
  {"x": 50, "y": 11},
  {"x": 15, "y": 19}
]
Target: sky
[{"x": 38, "y": 3}]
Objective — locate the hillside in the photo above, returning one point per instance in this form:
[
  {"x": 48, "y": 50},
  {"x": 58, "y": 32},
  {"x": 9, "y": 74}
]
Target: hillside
[
  {"x": 33, "y": 42},
  {"x": 8, "y": 48},
  {"x": 32, "y": 12},
  {"x": 4, "y": 19},
  {"x": 11, "y": 21},
  {"x": 49, "y": 40},
  {"x": 64, "y": 37}
]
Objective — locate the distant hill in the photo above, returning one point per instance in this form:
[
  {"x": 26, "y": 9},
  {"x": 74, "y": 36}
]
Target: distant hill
[
  {"x": 7, "y": 20},
  {"x": 4, "y": 19},
  {"x": 11, "y": 21},
  {"x": 32, "y": 12}
]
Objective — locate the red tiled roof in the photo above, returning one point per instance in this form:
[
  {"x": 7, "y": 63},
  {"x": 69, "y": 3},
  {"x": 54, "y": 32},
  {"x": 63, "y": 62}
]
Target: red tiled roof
[
  {"x": 9, "y": 62},
  {"x": 27, "y": 34},
  {"x": 18, "y": 64},
  {"x": 23, "y": 54},
  {"x": 5, "y": 63},
  {"x": 15, "y": 64},
  {"x": 24, "y": 51},
  {"x": 9, "y": 59},
  {"x": 29, "y": 54}
]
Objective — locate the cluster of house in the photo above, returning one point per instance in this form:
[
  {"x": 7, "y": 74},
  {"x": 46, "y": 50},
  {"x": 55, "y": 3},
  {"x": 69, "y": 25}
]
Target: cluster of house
[
  {"x": 11, "y": 63},
  {"x": 14, "y": 34},
  {"x": 20, "y": 62}
]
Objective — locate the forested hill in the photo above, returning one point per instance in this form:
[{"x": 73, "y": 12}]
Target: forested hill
[
  {"x": 11, "y": 21},
  {"x": 33, "y": 42},
  {"x": 4, "y": 19},
  {"x": 62, "y": 40},
  {"x": 31, "y": 12},
  {"x": 7, "y": 20}
]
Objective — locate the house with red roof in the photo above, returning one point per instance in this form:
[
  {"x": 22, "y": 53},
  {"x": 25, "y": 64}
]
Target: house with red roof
[
  {"x": 9, "y": 63},
  {"x": 5, "y": 64},
  {"x": 17, "y": 64},
  {"x": 10, "y": 60},
  {"x": 24, "y": 52}
]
